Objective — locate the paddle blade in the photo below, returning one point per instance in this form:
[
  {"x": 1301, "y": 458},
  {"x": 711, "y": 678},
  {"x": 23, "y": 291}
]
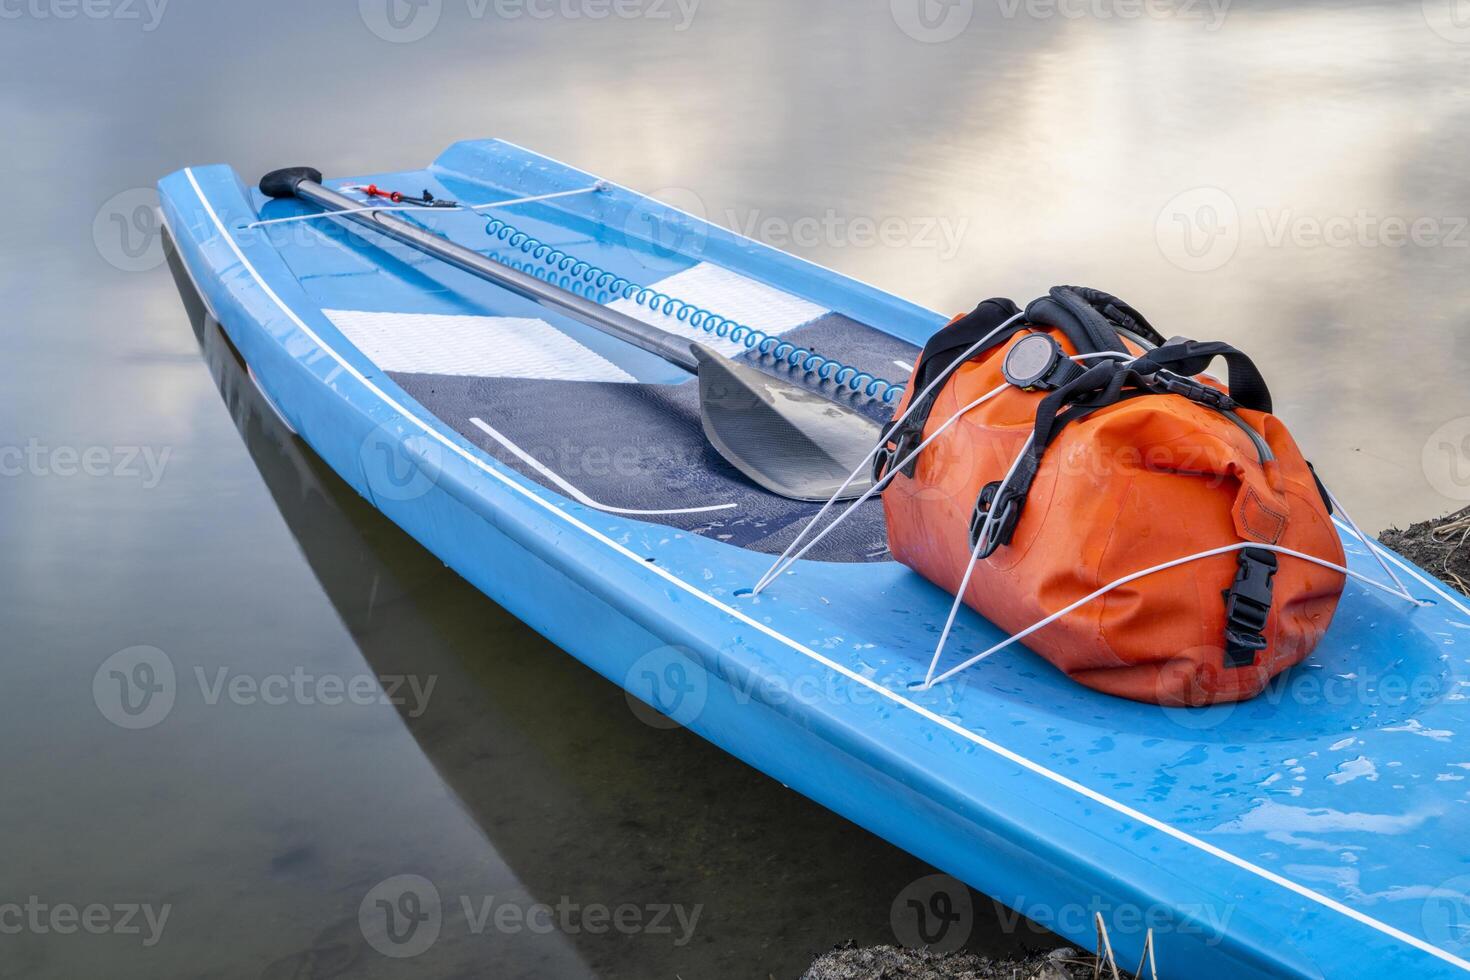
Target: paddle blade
[{"x": 792, "y": 441}]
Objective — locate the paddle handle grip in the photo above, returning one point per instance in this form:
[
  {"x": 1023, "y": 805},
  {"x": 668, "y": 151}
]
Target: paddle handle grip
[{"x": 305, "y": 184}]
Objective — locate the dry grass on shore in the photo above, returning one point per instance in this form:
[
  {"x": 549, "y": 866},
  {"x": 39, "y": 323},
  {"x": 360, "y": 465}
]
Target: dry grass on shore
[{"x": 1440, "y": 546}]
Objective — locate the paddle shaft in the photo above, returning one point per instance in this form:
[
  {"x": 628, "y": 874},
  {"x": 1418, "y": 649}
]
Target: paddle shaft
[
  {"x": 794, "y": 441},
  {"x": 669, "y": 346}
]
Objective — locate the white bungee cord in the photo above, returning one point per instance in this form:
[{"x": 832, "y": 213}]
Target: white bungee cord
[
  {"x": 877, "y": 487},
  {"x": 930, "y": 681},
  {"x": 986, "y": 530},
  {"x": 787, "y": 557},
  {"x": 776, "y": 566},
  {"x": 1358, "y": 532}
]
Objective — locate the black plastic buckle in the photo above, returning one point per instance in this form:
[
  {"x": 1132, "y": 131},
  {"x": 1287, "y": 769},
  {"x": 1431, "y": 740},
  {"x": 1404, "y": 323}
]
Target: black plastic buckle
[
  {"x": 881, "y": 459},
  {"x": 903, "y": 441},
  {"x": 1195, "y": 391},
  {"x": 1004, "y": 526},
  {"x": 1247, "y": 606},
  {"x": 885, "y": 456}
]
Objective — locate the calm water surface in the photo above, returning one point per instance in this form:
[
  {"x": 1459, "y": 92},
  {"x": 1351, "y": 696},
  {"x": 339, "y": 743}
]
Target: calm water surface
[{"x": 1290, "y": 177}]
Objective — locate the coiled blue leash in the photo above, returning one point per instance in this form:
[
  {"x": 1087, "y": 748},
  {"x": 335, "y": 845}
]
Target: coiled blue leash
[{"x": 573, "y": 270}]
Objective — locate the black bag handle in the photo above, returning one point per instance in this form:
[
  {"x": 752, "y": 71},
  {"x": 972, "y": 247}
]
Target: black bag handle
[
  {"x": 1190, "y": 357},
  {"x": 1090, "y": 318}
]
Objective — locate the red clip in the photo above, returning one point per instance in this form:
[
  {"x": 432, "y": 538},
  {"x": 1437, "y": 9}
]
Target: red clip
[{"x": 373, "y": 190}]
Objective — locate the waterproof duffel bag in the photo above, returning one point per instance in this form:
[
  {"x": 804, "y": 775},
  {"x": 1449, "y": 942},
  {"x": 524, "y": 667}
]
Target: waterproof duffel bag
[{"x": 1077, "y": 459}]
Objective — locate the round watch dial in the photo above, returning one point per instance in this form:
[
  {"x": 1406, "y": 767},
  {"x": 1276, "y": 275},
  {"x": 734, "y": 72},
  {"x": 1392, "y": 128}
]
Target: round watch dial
[{"x": 1030, "y": 359}]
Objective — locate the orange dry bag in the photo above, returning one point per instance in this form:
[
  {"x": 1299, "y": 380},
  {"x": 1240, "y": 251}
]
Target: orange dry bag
[{"x": 1071, "y": 447}]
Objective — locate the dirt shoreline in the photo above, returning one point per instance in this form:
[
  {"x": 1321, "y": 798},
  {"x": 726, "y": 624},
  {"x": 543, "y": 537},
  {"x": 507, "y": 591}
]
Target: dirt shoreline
[
  {"x": 1439, "y": 546},
  {"x": 894, "y": 963}
]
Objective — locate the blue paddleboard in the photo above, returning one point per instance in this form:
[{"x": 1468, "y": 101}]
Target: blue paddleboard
[{"x": 1319, "y": 830}]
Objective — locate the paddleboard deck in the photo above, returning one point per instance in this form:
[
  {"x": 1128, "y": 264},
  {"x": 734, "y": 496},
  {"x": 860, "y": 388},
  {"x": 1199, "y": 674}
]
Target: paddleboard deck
[{"x": 1318, "y": 830}]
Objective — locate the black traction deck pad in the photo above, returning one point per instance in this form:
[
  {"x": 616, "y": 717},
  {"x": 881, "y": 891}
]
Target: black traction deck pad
[{"x": 640, "y": 446}]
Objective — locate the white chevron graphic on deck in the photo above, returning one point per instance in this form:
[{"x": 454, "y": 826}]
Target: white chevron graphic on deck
[
  {"x": 472, "y": 346},
  {"x": 729, "y": 294}
]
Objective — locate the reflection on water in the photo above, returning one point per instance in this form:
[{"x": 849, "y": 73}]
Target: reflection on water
[{"x": 1288, "y": 178}]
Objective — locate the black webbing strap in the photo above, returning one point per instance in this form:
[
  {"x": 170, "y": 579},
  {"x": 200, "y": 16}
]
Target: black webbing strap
[
  {"x": 1189, "y": 357},
  {"x": 1089, "y": 318},
  {"x": 941, "y": 351},
  {"x": 1098, "y": 386},
  {"x": 1107, "y": 383},
  {"x": 948, "y": 344}
]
